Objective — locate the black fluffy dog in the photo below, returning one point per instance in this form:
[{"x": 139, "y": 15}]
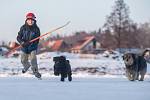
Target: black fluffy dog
[
  {"x": 62, "y": 67},
  {"x": 135, "y": 66}
]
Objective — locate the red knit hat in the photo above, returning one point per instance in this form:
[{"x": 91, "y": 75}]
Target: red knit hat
[{"x": 30, "y": 16}]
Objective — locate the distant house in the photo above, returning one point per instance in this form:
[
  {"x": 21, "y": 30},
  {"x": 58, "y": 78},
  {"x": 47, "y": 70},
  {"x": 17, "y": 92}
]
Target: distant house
[
  {"x": 78, "y": 43},
  {"x": 55, "y": 45},
  {"x": 59, "y": 45},
  {"x": 86, "y": 45},
  {"x": 13, "y": 45}
]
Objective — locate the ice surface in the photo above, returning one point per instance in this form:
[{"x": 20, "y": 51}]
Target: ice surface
[{"x": 19, "y": 88}]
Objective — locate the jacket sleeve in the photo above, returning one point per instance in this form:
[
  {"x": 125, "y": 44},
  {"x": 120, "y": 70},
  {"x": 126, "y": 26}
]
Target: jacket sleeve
[
  {"x": 20, "y": 35},
  {"x": 37, "y": 35}
]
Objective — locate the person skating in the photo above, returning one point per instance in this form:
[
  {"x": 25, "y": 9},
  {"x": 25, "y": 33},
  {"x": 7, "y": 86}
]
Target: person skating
[{"x": 27, "y": 32}]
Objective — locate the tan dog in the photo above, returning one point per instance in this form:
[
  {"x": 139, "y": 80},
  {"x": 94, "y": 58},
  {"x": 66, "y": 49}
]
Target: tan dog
[
  {"x": 136, "y": 65},
  {"x": 130, "y": 61}
]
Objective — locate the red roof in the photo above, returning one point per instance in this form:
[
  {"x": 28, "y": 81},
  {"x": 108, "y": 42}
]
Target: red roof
[
  {"x": 82, "y": 43},
  {"x": 13, "y": 45},
  {"x": 57, "y": 45}
]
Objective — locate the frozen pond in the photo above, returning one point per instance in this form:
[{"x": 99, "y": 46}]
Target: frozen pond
[{"x": 21, "y": 88}]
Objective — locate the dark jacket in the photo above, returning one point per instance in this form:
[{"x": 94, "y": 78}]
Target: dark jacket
[{"x": 27, "y": 33}]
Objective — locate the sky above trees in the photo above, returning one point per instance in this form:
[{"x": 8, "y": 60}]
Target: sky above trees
[{"x": 85, "y": 15}]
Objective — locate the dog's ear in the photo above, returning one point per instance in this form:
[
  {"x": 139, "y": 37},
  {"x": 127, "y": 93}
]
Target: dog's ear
[
  {"x": 123, "y": 57},
  {"x": 146, "y": 51},
  {"x": 143, "y": 54}
]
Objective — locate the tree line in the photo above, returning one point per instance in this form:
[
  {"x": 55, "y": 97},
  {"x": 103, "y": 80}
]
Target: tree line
[{"x": 120, "y": 31}]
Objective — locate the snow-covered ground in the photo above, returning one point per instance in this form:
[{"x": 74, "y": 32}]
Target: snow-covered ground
[
  {"x": 95, "y": 77},
  {"x": 82, "y": 65},
  {"x": 18, "y": 88}
]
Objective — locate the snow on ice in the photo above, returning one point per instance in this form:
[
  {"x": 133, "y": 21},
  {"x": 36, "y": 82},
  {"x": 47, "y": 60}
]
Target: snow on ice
[
  {"x": 95, "y": 77},
  {"x": 16, "y": 88}
]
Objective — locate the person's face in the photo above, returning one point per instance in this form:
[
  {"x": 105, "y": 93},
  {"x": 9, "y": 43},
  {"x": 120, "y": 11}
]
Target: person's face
[{"x": 30, "y": 22}]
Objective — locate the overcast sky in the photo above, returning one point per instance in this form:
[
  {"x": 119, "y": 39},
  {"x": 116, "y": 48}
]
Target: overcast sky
[{"x": 85, "y": 15}]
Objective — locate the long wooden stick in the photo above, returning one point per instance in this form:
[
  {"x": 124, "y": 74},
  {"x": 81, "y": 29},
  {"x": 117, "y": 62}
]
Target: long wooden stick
[{"x": 18, "y": 47}]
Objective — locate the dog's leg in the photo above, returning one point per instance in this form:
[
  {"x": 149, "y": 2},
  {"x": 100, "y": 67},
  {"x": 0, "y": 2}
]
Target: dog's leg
[
  {"x": 131, "y": 77},
  {"x": 62, "y": 77},
  {"x": 142, "y": 78},
  {"x": 70, "y": 78},
  {"x": 135, "y": 75},
  {"x": 142, "y": 75},
  {"x": 137, "y": 78},
  {"x": 128, "y": 75}
]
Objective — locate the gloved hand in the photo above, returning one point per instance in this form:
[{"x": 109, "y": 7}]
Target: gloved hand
[{"x": 24, "y": 44}]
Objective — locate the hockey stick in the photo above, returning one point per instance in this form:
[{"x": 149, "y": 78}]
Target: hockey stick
[{"x": 18, "y": 47}]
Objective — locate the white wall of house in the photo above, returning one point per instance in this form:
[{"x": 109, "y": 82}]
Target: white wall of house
[
  {"x": 90, "y": 46},
  {"x": 76, "y": 51},
  {"x": 98, "y": 45}
]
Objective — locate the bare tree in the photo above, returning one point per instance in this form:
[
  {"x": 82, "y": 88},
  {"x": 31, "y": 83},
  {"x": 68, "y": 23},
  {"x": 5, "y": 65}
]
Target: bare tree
[
  {"x": 107, "y": 40},
  {"x": 118, "y": 22},
  {"x": 144, "y": 35}
]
